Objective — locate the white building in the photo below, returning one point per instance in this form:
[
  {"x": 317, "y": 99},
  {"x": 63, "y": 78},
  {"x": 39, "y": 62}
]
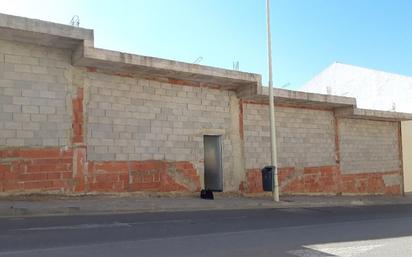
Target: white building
[{"x": 373, "y": 89}]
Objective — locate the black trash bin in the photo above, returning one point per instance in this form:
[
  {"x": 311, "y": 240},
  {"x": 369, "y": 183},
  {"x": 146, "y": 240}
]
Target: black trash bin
[{"x": 267, "y": 178}]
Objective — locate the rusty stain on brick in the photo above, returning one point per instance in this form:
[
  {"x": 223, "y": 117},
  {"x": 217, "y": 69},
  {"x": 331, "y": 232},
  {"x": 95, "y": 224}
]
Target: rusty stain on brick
[{"x": 91, "y": 69}]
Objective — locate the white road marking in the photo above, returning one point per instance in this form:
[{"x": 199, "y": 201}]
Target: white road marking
[
  {"x": 348, "y": 251},
  {"x": 308, "y": 253},
  {"x": 342, "y": 249}
]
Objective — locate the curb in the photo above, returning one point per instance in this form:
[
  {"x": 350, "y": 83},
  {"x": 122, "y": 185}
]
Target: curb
[{"x": 77, "y": 210}]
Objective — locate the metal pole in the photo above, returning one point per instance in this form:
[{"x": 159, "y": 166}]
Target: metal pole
[{"x": 275, "y": 189}]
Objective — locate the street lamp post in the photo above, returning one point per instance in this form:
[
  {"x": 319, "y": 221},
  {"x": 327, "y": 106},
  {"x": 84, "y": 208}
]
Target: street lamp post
[{"x": 275, "y": 188}]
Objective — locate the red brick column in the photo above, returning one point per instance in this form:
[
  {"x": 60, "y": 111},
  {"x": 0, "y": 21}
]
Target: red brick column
[
  {"x": 337, "y": 156},
  {"x": 78, "y": 142},
  {"x": 241, "y": 130}
]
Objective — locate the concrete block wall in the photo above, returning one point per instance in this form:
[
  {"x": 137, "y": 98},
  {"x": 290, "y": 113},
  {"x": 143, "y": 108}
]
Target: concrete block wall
[
  {"x": 305, "y": 137},
  {"x": 73, "y": 129},
  {"x": 370, "y": 156},
  {"x": 321, "y": 154},
  {"x": 368, "y": 146},
  {"x": 133, "y": 119},
  {"x": 34, "y": 95}
]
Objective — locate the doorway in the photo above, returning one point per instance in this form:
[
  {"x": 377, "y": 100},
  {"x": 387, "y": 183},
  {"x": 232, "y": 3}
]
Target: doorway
[{"x": 213, "y": 163}]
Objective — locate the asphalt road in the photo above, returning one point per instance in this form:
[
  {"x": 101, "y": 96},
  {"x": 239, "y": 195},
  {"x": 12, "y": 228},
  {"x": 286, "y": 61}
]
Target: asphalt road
[{"x": 339, "y": 231}]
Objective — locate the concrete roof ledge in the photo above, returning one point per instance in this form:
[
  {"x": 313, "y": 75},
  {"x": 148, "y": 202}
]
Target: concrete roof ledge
[
  {"x": 162, "y": 68},
  {"x": 314, "y": 97},
  {"x": 356, "y": 113},
  {"x": 159, "y": 63},
  {"x": 80, "y": 40},
  {"x": 247, "y": 85},
  {"x": 44, "y": 33},
  {"x": 304, "y": 99}
]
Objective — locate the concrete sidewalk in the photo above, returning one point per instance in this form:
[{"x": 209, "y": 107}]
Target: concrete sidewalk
[{"x": 42, "y": 205}]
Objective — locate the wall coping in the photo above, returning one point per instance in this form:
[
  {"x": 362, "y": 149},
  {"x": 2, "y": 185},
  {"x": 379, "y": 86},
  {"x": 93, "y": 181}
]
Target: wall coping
[{"x": 247, "y": 85}]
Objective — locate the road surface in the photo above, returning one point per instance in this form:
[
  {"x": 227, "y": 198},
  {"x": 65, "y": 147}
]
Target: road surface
[{"x": 309, "y": 232}]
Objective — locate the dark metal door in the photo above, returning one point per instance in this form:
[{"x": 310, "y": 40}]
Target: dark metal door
[{"x": 213, "y": 163}]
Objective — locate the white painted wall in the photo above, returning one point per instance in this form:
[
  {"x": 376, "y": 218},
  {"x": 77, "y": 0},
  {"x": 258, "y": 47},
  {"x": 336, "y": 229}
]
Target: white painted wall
[
  {"x": 373, "y": 89},
  {"x": 407, "y": 155}
]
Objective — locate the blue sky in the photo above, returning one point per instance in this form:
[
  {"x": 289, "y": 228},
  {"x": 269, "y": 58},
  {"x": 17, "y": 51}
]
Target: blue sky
[{"x": 308, "y": 35}]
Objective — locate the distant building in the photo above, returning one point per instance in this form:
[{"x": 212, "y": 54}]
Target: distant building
[{"x": 372, "y": 89}]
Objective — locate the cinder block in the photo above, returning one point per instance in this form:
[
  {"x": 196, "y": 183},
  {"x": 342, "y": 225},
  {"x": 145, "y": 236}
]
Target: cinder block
[
  {"x": 100, "y": 149},
  {"x": 114, "y": 149},
  {"x": 105, "y": 105},
  {"x": 64, "y": 126},
  {"x": 25, "y": 134},
  {"x": 5, "y": 100},
  {"x": 9, "y": 58},
  {"x": 11, "y": 91},
  {"x": 61, "y": 110},
  {"x": 50, "y": 142},
  {"x": 125, "y": 135},
  {"x": 12, "y": 125},
  {"x": 37, "y": 101},
  {"x": 22, "y": 68},
  {"x": 39, "y": 70},
  {"x": 47, "y": 110},
  {"x": 30, "y": 109},
  {"x": 30, "y": 126},
  {"x": 21, "y": 117},
  {"x": 48, "y": 126},
  {"x": 19, "y": 100},
  {"x": 56, "y": 102},
  {"x": 38, "y": 117},
  {"x": 55, "y": 118},
  {"x": 30, "y": 60},
  {"x": 134, "y": 157},
  {"x": 5, "y": 116},
  {"x": 48, "y": 94},
  {"x": 5, "y": 133},
  {"x": 30, "y": 93},
  {"x": 14, "y": 108},
  {"x": 15, "y": 142}
]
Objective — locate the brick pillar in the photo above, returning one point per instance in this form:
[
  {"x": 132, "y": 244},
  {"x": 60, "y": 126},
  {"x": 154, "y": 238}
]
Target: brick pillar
[
  {"x": 78, "y": 142},
  {"x": 337, "y": 156}
]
